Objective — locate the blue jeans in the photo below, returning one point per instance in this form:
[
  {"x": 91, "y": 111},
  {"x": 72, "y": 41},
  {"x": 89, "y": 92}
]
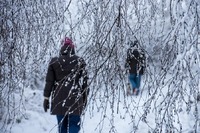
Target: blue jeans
[
  {"x": 68, "y": 123},
  {"x": 135, "y": 81}
]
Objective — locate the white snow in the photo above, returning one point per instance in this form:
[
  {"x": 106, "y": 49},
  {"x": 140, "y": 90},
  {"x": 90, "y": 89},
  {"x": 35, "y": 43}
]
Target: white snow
[{"x": 97, "y": 119}]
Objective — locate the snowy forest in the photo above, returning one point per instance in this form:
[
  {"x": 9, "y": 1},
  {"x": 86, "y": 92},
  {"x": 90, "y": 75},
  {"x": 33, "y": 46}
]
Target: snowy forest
[{"x": 168, "y": 31}]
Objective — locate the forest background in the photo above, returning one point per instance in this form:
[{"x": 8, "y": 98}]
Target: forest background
[{"x": 168, "y": 31}]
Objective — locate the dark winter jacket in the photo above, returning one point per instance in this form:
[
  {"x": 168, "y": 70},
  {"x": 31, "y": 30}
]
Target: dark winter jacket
[
  {"x": 135, "y": 61},
  {"x": 66, "y": 83}
]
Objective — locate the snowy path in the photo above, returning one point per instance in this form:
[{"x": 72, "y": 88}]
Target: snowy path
[
  {"x": 36, "y": 120},
  {"x": 127, "y": 115}
]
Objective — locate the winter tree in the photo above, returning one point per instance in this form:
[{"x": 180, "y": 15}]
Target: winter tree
[
  {"x": 29, "y": 29},
  {"x": 168, "y": 30}
]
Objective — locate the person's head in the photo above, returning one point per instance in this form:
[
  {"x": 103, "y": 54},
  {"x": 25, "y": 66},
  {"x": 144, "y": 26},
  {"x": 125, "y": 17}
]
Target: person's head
[
  {"x": 67, "y": 46},
  {"x": 134, "y": 44},
  {"x": 67, "y": 42}
]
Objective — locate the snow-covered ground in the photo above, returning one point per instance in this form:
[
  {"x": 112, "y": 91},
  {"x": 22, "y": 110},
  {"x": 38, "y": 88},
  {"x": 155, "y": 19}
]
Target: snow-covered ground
[{"x": 97, "y": 119}]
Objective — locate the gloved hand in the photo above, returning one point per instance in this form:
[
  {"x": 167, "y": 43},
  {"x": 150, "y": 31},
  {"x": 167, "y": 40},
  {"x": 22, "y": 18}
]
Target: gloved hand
[
  {"x": 126, "y": 66},
  {"x": 46, "y": 105}
]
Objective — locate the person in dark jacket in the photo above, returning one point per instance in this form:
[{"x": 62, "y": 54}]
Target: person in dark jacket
[
  {"x": 135, "y": 64},
  {"x": 66, "y": 84}
]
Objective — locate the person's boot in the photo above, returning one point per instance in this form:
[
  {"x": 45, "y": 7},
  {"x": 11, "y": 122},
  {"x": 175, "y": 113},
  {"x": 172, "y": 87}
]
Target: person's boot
[
  {"x": 137, "y": 92},
  {"x": 128, "y": 91},
  {"x": 134, "y": 91}
]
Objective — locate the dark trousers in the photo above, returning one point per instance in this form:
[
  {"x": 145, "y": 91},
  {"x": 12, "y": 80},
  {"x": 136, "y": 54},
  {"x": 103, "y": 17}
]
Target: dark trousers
[
  {"x": 68, "y": 123},
  {"x": 135, "y": 80}
]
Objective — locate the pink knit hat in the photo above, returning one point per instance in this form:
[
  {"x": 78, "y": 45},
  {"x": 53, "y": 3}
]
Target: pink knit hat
[{"x": 67, "y": 42}]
